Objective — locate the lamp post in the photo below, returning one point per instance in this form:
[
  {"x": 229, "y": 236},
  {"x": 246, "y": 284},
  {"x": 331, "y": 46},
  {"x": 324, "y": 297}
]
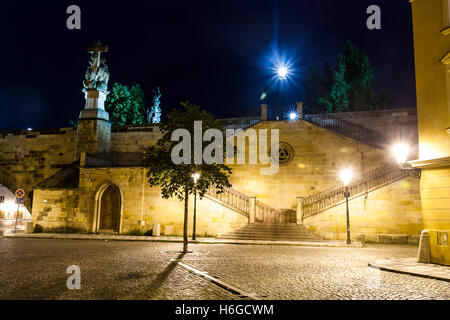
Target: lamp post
[
  {"x": 195, "y": 176},
  {"x": 346, "y": 176}
]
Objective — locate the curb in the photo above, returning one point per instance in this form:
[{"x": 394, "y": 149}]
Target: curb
[
  {"x": 61, "y": 236},
  {"x": 409, "y": 273}
]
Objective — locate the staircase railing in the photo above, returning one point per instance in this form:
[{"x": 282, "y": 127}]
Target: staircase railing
[
  {"x": 348, "y": 129},
  {"x": 367, "y": 182},
  {"x": 231, "y": 198},
  {"x": 267, "y": 214},
  {"x": 243, "y": 204}
]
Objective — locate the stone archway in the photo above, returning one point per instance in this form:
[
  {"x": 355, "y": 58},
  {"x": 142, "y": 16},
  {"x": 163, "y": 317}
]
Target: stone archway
[{"x": 109, "y": 210}]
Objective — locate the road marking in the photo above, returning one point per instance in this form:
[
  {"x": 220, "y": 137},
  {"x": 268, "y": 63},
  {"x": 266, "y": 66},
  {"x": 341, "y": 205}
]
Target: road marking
[{"x": 220, "y": 283}]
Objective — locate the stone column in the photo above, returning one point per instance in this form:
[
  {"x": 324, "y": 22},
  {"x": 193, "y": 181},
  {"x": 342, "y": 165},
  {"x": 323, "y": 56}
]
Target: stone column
[
  {"x": 424, "y": 254},
  {"x": 300, "y": 210},
  {"x": 94, "y": 128},
  {"x": 251, "y": 209},
  {"x": 264, "y": 112},
  {"x": 300, "y": 110}
]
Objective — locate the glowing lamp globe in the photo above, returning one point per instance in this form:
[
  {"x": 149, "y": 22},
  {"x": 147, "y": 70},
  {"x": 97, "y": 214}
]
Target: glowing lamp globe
[
  {"x": 292, "y": 116},
  {"x": 196, "y": 176},
  {"x": 346, "y": 176},
  {"x": 401, "y": 152}
]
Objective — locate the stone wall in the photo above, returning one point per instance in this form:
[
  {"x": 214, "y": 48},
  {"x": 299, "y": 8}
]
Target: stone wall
[
  {"x": 28, "y": 157},
  {"x": 133, "y": 139},
  {"x": 142, "y": 206},
  {"x": 319, "y": 155},
  {"x": 435, "y": 192},
  {"x": 391, "y": 214},
  {"x": 57, "y": 208}
]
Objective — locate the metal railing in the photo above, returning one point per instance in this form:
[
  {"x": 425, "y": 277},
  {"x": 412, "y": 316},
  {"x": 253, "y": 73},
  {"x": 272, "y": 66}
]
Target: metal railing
[
  {"x": 348, "y": 129},
  {"x": 367, "y": 182},
  {"x": 231, "y": 198},
  {"x": 123, "y": 159}
]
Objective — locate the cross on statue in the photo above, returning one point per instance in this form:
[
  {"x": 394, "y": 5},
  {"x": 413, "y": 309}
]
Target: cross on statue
[{"x": 97, "y": 49}]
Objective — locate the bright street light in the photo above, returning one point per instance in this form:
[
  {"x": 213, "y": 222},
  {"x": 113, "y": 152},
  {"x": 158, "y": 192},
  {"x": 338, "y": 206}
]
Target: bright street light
[
  {"x": 401, "y": 152},
  {"x": 195, "y": 176},
  {"x": 346, "y": 177},
  {"x": 293, "y": 116}
]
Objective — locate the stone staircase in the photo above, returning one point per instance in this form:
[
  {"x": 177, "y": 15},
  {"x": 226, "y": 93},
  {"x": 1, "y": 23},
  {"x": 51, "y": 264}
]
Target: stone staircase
[{"x": 272, "y": 232}]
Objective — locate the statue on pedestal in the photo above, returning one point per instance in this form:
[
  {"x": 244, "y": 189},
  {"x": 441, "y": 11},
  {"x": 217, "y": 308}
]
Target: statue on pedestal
[
  {"x": 154, "y": 114},
  {"x": 97, "y": 74}
]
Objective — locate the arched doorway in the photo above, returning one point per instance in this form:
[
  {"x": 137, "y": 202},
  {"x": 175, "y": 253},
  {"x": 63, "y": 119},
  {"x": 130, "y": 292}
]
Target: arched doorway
[{"x": 110, "y": 210}]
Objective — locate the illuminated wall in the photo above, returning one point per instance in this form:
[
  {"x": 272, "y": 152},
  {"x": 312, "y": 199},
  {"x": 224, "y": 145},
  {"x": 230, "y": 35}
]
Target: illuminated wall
[{"x": 431, "y": 23}]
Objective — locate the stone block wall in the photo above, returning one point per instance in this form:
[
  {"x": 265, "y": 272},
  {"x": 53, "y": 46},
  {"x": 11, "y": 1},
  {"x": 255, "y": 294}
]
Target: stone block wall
[
  {"x": 58, "y": 208},
  {"x": 134, "y": 141},
  {"x": 319, "y": 155},
  {"x": 435, "y": 191},
  {"x": 93, "y": 136},
  {"x": 391, "y": 214},
  {"x": 143, "y": 206}
]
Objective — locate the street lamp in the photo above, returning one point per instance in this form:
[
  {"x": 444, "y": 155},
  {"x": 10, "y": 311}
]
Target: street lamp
[
  {"x": 293, "y": 116},
  {"x": 195, "y": 176},
  {"x": 401, "y": 152},
  {"x": 346, "y": 177}
]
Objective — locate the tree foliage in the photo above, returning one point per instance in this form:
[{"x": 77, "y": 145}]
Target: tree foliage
[
  {"x": 126, "y": 105},
  {"x": 348, "y": 87},
  {"x": 176, "y": 180}
]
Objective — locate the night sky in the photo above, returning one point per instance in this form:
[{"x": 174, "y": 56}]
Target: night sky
[{"x": 216, "y": 54}]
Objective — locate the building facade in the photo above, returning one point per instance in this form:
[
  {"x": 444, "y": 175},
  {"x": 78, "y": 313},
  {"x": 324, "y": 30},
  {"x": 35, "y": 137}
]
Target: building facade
[{"x": 431, "y": 23}]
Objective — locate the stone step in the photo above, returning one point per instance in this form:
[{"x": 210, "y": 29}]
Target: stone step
[{"x": 272, "y": 232}]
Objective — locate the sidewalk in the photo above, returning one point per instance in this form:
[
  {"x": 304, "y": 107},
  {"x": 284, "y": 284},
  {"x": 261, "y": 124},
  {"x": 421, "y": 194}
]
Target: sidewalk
[
  {"x": 411, "y": 267},
  {"x": 77, "y": 236}
]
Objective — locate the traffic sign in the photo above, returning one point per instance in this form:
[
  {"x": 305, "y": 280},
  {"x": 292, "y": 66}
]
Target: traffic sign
[
  {"x": 20, "y": 193},
  {"x": 20, "y": 200}
]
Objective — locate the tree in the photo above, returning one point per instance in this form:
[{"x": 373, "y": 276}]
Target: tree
[
  {"x": 175, "y": 180},
  {"x": 126, "y": 105},
  {"x": 317, "y": 85},
  {"x": 346, "y": 88},
  {"x": 358, "y": 75},
  {"x": 337, "y": 99}
]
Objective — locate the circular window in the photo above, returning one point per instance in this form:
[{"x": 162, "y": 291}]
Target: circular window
[{"x": 285, "y": 154}]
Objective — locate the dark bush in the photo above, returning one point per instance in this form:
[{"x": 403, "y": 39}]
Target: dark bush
[{"x": 149, "y": 233}]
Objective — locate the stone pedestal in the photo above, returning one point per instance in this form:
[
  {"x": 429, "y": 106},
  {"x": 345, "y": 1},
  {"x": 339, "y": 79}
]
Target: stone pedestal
[
  {"x": 424, "y": 254},
  {"x": 94, "y": 128},
  {"x": 95, "y": 99},
  {"x": 251, "y": 210},
  {"x": 300, "y": 210},
  {"x": 264, "y": 112},
  {"x": 156, "y": 232},
  {"x": 29, "y": 227}
]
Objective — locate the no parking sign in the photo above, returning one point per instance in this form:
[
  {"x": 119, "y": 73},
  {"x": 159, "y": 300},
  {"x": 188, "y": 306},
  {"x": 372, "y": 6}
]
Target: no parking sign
[{"x": 20, "y": 193}]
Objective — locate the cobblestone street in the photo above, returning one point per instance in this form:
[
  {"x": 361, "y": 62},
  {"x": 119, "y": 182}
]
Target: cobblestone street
[{"x": 36, "y": 269}]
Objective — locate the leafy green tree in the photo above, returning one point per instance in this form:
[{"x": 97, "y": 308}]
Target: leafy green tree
[
  {"x": 358, "y": 75},
  {"x": 175, "y": 180},
  {"x": 337, "y": 99},
  {"x": 126, "y": 105},
  {"x": 346, "y": 88}
]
